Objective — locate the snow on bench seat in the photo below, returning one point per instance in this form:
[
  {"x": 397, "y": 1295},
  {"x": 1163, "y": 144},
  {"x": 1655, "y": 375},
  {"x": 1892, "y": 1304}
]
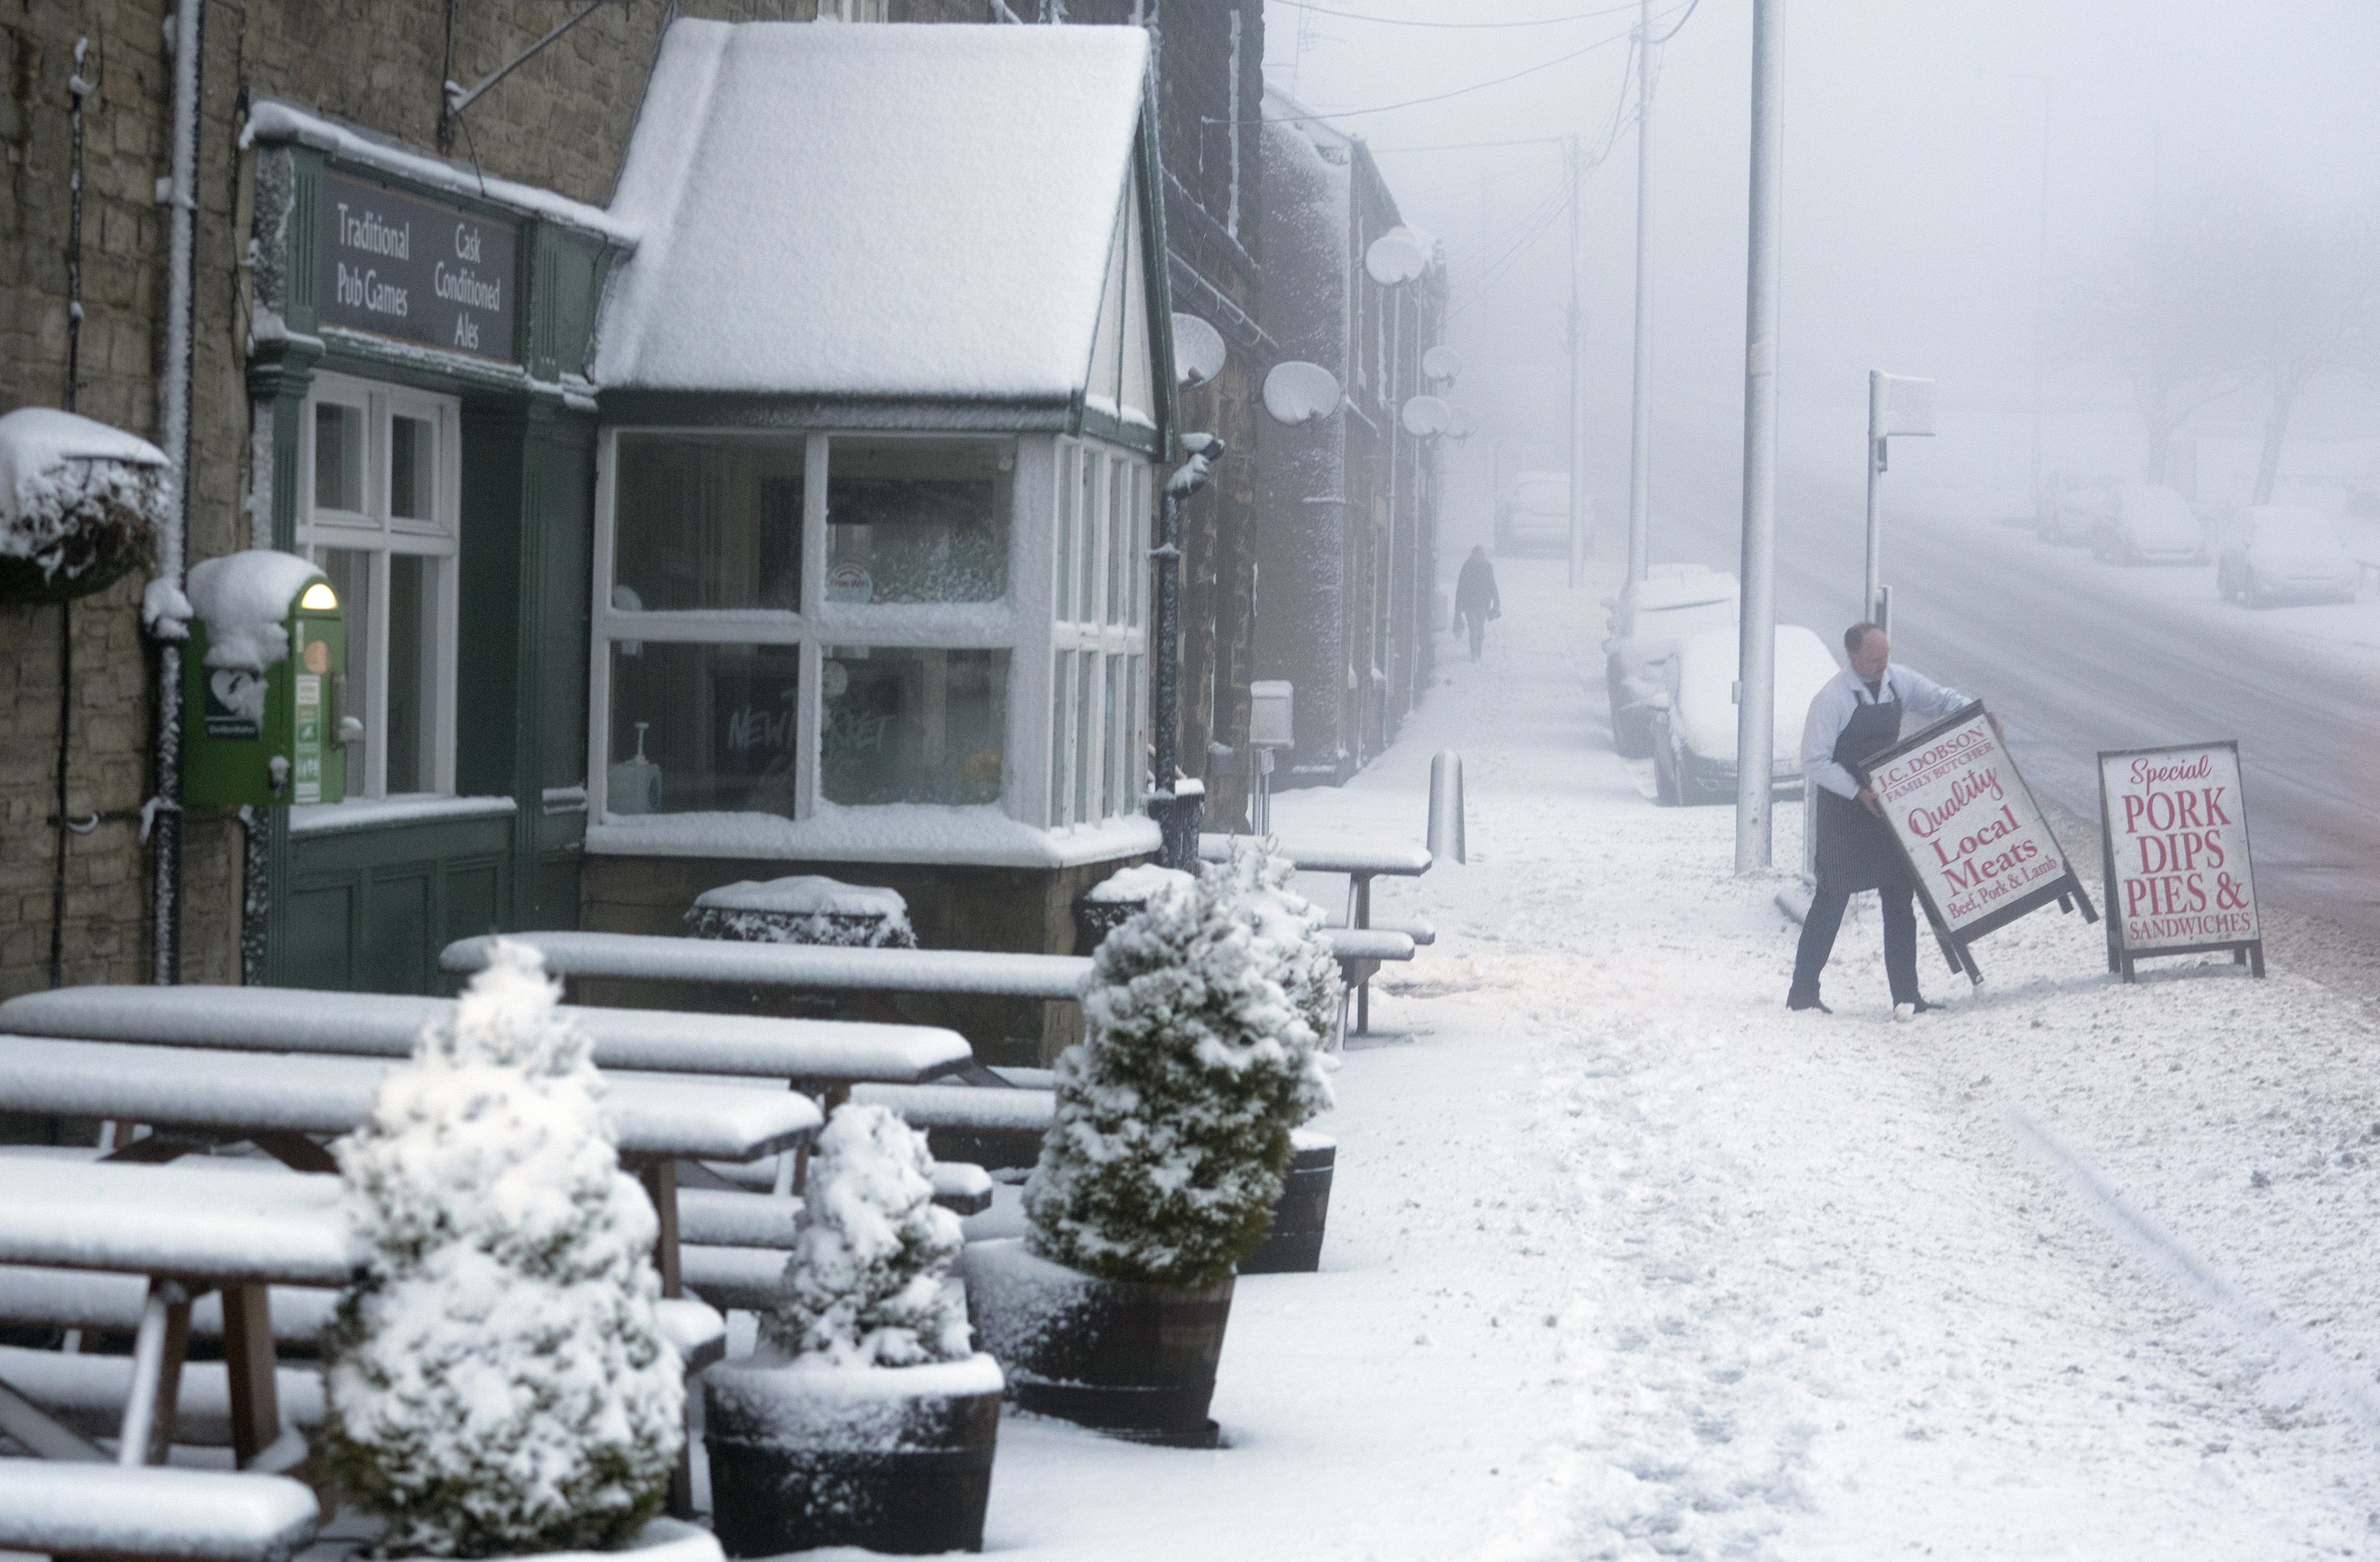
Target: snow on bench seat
[
  {"x": 1419, "y": 929},
  {"x": 107, "y": 1510},
  {"x": 260, "y": 1227},
  {"x": 287, "y": 1093},
  {"x": 738, "y": 1278},
  {"x": 383, "y": 1026},
  {"x": 959, "y": 1187},
  {"x": 82, "y": 1300},
  {"x": 961, "y": 1106},
  {"x": 644, "y": 956},
  {"x": 88, "y": 1392}
]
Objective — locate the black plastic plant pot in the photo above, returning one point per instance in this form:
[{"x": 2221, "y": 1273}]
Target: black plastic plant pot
[
  {"x": 1094, "y": 920},
  {"x": 894, "y": 1459},
  {"x": 1137, "y": 1361},
  {"x": 1293, "y": 1245}
]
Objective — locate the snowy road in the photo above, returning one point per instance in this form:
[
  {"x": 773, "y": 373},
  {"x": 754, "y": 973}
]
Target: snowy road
[
  {"x": 1626, "y": 1262},
  {"x": 2081, "y": 656}
]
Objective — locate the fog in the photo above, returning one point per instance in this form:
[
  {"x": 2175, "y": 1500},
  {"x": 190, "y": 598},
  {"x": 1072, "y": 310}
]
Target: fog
[{"x": 1923, "y": 234}]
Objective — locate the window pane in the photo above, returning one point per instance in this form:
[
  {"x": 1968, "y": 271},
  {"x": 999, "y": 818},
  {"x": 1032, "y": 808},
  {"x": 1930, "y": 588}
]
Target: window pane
[
  {"x": 1111, "y": 785},
  {"x": 1087, "y": 740},
  {"x": 1060, "y": 705},
  {"x": 917, "y": 520},
  {"x": 699, "y": 728},
  {"x": 708, "y": 523},
  {"x": 1136, "y": 735},
  {"x": 1070, "y": 499},
  {"x": 1143, "y": 541},
  {"x": 1119, "y": 546},
  {"x": 412, "y": 468},
  {"x": 350, "y": 571},
  {"x": 912, "y": 726},
  {"x": 1080, "y": 521},
  {"x": 338, "y": 457},
  {"x": 412, "y": 663},
  {"x": 1086, "y": 547}
]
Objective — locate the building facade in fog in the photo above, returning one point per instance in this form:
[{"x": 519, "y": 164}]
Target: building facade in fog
[{"x": 1347, "y": 521}]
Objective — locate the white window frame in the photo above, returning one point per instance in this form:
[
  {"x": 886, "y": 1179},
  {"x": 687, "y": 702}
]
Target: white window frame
[
  {"x": 1096, "y": 758},
  {"x": 376, "y": 532},
  {"x": 1021, "y": 623}
]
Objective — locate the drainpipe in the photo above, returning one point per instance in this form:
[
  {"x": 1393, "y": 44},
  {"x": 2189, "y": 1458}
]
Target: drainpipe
[
  {"x": 173, "y": 387},
  {"x": 1177, "y": 816}
]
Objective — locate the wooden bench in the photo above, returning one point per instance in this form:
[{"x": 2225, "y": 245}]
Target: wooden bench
[{"x": 166, "y": 1515}]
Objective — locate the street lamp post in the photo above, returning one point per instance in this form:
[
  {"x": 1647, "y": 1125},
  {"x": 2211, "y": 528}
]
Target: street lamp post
[{"x": 1755, "y": 737}]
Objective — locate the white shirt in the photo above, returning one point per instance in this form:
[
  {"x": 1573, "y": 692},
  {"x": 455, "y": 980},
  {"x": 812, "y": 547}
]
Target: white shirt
[{"x": 1832, "y": 709}]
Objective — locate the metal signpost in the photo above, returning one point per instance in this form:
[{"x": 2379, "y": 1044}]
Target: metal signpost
[
  {"x": 1756, "y": 736},
  {"x": 1974, "y": 839},
  {"x": 1896, "y": 405},
  {"x": 2174, "y": 821}
]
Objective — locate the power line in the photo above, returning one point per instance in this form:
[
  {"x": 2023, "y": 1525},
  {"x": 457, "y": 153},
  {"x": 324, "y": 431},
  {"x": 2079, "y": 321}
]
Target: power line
[
  {"x": 1402, "y": 21},
  {"x": 1441, "y": 97},
  {"x": 1465, "y": 146}
]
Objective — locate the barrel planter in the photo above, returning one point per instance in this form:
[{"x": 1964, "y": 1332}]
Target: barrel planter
[
  {"x": 1293, "y": 1245},
  {"x": 1130, "y": 1358},
  {"x": 894, "y": 1460},
  {"x": 662, "y": 1540}
]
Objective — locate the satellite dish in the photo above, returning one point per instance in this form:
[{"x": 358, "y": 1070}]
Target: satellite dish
[
  {"x": 1298, "y": 393},
  {"x": 1426, "y": 417},
  {"x": 1197, "y": 350},
  {"x": 1441, "y": 362},
  {"x": 1394, "y": 258}
]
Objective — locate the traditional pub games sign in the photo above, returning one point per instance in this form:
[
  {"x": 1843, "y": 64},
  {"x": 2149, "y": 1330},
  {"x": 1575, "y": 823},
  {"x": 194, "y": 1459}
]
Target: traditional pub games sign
[
  {"x": 2175, "y": 822},
  {"x": 398, "y": 266},
  {"x": 1974, "y": 839}
]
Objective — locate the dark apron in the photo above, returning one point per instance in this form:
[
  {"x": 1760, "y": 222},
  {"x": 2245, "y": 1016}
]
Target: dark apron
[{"x": 1855, "y": 848}]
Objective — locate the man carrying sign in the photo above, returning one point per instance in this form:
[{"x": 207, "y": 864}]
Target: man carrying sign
[{"x": 1856, "y": 715}]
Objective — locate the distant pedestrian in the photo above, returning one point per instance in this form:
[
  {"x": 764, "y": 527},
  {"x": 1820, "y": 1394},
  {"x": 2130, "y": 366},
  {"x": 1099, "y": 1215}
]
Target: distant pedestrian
[
  {"x": 1856, "y": 715},
  {"x": 1474, "y": 597}
]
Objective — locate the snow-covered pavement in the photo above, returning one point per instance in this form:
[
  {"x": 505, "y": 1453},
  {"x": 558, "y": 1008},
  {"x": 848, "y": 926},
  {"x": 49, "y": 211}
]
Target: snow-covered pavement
[{"x": 1626, "y": 1261}]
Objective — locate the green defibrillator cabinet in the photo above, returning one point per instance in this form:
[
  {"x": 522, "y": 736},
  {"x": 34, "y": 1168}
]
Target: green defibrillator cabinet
[{"x": 262, "y": 728}]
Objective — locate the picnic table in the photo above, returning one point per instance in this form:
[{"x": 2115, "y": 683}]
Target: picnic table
[
  {"x": 187, "y": 1231},
  {"x": 279, "y": 1101},
  {"x": 982, "y": 972},
  {"x": 1361, "y": 864},
  {"x": 818, "y": 1052}
]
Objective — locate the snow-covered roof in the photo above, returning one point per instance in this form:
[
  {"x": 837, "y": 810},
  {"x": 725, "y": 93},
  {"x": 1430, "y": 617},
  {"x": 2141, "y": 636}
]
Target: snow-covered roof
[{"x": 877, "y": 212}]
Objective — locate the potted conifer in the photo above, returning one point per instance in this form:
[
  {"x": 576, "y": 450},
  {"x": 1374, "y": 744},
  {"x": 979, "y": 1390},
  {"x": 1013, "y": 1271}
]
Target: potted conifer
[
  {"x": 1205, "y": 1026},
  {"x": 498, "y": 1384},
  {"x": 866, "y": 1418}
]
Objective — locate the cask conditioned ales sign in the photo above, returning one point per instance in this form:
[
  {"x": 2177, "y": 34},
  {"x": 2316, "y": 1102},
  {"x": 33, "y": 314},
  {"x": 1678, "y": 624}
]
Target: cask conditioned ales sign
[
  {"x": 1975, "y": 842},
  {"x": 399, "y": 266},
  {"x": 2178, "y": 881}
]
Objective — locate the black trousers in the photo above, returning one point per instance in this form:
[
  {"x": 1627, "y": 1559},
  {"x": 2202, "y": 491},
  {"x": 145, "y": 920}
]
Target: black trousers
[
  {"x": 1478, "y": 633},
  {"x": 1826, "y": 919}
]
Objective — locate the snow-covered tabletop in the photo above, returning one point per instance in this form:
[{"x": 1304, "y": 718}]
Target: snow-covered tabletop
[
  {"x": 1319, "y": 856},
  {"x": 639, "y": 955},
  {"x": 248, "y": 1093},
  {"x": 385, "y": 1025}
]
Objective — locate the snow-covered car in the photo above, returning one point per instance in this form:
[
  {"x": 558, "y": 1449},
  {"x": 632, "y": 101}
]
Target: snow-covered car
[
  {"x": 1694, "y": 719},
  {"x": 2070, "y": 508},
  {"x": 2274, "y": 552},
  {"x": 1534, "y": 514},
  {"x": 1646, "y": 622},
  {"x": 2149, "y": 525}
]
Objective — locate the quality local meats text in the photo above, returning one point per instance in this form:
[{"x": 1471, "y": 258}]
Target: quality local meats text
[
  {"x": 2177, "y": 847},
  {"x": 1967, "y": 823}
]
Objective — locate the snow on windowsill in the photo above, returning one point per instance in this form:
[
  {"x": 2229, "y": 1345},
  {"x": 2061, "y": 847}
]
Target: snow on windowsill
[
  {"x": 268, "y": 120},
  {"x": 323, "y": 818},
  {"x": 977, "y": 836}
]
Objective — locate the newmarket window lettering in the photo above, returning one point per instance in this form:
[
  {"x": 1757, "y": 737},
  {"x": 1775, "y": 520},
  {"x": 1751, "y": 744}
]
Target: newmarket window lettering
[{"x": 398, "y": 266}]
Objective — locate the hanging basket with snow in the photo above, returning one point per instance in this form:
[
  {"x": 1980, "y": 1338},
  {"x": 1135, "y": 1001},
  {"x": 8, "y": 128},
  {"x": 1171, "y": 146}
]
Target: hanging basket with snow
[{"x": 78, "y": 504}]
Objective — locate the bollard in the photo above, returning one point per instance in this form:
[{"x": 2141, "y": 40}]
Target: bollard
[{"x": 1446, "y": 842}]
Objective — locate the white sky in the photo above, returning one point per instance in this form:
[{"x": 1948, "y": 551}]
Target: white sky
[{"x": 1913, "y": 193}]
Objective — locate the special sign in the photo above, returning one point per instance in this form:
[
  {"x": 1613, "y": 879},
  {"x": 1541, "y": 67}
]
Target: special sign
[
  {"x": 2178, "y": 881},
  {"x": 1975, "y": 842},
  {"x": 398, "y": 266}
]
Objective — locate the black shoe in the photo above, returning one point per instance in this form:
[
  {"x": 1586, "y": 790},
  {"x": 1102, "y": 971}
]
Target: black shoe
[
  {"x": 1799, "y": 1001},
  {"x": 1919, "y": 1006}
]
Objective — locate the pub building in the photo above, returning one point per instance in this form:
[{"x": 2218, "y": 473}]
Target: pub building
[
  {"x": 789, "y": 517},
  {"x": 883, "y": 391}
]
